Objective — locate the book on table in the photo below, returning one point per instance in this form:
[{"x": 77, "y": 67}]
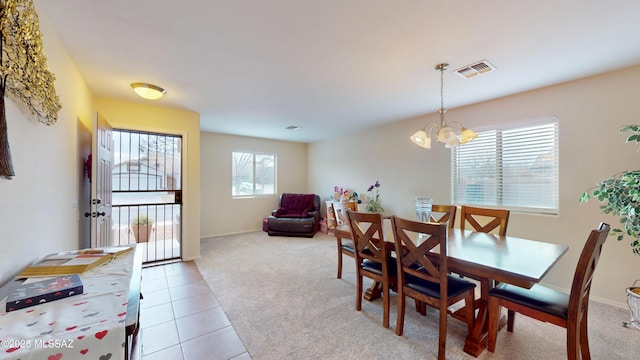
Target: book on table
[
  {"x": 113, "y": 250},
  {"x": 30, "y": 293},
  {"x": 73, "y": 262}
]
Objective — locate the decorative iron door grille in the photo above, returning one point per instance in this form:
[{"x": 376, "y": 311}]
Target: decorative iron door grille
[{"x": 147, "y": 193}]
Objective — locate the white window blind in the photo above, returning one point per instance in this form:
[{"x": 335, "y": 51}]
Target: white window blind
[{"x": 513, "y": 168}]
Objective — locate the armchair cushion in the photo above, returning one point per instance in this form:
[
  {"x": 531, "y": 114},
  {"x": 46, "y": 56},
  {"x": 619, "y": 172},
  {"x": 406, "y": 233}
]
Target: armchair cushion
[
  {"x": 296, "y": 215},
  {"x": 295, "y": 205}
]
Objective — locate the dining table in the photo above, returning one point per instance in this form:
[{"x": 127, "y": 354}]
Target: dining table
[{"x": 487, "y": 258}]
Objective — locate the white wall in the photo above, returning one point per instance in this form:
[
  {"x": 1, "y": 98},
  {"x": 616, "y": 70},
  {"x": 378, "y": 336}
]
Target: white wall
[
  {"x": 221, "y": 214},
  {"x": 590, "y": 111},
  {"x": 39, "y": 211}
]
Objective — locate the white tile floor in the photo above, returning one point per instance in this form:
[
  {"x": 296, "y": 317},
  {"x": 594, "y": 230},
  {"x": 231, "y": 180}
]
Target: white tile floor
[{"x": 180, "y": 317}]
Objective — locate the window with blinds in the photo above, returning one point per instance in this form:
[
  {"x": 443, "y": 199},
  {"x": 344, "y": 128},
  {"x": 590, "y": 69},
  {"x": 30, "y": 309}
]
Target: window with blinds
[{"x": 514, "y": 168}]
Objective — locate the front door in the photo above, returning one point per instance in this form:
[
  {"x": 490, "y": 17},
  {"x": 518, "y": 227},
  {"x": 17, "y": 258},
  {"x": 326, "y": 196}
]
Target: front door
[{"x": 101, "y": 165}]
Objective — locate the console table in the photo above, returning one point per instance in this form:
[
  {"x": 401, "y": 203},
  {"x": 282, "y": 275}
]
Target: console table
[{"x": 100, "y": 323}]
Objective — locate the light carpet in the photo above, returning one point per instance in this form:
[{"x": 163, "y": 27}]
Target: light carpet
[{"x": 282, "y": 297}]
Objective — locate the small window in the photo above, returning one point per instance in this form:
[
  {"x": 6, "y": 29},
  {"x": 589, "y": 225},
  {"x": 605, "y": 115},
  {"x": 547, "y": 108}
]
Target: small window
[
  {"x": 253, "y": 174},
  {"x": 514, "y": 168}
]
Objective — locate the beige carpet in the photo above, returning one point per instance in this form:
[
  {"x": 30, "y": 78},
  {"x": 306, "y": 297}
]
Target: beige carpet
[{"x": 282, "y": 297}]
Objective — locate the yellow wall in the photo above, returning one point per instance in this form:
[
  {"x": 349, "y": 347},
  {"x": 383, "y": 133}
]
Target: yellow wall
[
  {"x": 40, "y": 206},
  {"x": 153, "y": 118}
]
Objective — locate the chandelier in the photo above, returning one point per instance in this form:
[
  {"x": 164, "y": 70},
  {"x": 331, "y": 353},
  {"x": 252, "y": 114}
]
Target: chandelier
[{"x": 444, "y": 132}]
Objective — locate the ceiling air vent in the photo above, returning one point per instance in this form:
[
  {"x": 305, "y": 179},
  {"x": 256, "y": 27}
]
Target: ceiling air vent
[{"x": 478, "y": 68}]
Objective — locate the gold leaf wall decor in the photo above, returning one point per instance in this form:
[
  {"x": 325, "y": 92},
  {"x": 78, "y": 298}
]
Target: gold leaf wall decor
[{"x": 24, "y": 74}]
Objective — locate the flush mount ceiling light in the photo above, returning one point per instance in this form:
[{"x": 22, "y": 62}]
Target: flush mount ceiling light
[
  {"x": 444, "y": 132},
  {"x": 148, "y": 91}
]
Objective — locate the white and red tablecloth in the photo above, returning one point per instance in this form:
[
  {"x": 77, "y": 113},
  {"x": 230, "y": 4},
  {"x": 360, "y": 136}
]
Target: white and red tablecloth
[{"x": 87, "y": 326}]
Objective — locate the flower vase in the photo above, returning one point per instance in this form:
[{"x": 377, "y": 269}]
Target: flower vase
[
  {"x": 633, "y": 300},
  {"x": 374, "y": 206}
]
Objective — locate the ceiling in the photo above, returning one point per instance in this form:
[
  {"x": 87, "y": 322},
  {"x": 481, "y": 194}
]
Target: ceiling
[{"x": 333, "y": 67}]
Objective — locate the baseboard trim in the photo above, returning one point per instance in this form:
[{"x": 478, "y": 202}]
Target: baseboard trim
[
  {"x": 617, "y": 304},
  {"x": 230, "y": 233}
]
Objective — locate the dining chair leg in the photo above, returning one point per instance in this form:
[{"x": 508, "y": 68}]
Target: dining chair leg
[
  {"x": 573, "y": 341},
  {"x": 421, "y": 307},
  {"x": 386, "y": 304},
  {"x": 339, "y": 261},
  {"x": 442, "y": 336},
  {"x": 400, "y": 319},
  {"x": 494, "y": 320},
  {"x": 511, "y": 320},
  {"x": 584, "y": 338},
  {"x": 358, "y": 292}
]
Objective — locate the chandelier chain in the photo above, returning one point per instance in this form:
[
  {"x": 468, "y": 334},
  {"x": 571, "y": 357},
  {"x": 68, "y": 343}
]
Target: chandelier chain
[
  {"x": 442, "y": 110},
  {"x": 442, "y": 88}
]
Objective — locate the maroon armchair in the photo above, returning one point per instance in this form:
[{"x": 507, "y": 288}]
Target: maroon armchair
[{"x": 296, "y": 215}]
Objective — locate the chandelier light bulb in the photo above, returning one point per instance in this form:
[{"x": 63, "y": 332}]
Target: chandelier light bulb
[
  {"x": 467, "y": 135},
  {"x": 421, "y": 138}
]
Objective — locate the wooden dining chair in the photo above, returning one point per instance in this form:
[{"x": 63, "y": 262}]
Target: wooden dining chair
[
  {"x": 444, "y": 213},
  {"x": 340, "y": 211},
  {"x": 345, "y": 246},
  {"x": 439, "y": 214},
  {"x": 549, "y": 305},
  {"x": 484, "y": 219},
  {"x": 372, "y": 257},
  {"x": 422, "y": 274}
]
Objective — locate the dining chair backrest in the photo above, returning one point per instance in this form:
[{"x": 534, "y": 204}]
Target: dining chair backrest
[
  {"x": 444, "y": 213},
  {"x": 552, "y": 306},
  {"x": 484, "y": 219},
  {"x": 368, "y": 236},
  {"x": 345, "y": 246},
  {"x": 412, "y": 257},
  {"x": 340, "y": 211},
  {"x": 423, "y": 274},
  {"x": 581, "y": 286},
  {"x": 372, "y": 257}
]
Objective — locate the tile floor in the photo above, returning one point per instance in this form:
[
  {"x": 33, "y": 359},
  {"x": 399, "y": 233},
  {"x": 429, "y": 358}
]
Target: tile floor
[{"x": 180, "y": 317}]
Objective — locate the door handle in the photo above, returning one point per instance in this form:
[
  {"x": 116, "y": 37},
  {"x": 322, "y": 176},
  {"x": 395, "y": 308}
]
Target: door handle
[{"x": 94, "y": 214}]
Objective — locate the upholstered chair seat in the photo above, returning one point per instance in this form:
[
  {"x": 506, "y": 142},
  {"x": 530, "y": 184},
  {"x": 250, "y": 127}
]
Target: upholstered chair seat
[{"x": 296, "y": 215}]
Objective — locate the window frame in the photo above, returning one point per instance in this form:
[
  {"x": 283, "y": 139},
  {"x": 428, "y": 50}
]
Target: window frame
[
  {"x": 500, "y": 178},
  {"x": 254, "y": 183}
]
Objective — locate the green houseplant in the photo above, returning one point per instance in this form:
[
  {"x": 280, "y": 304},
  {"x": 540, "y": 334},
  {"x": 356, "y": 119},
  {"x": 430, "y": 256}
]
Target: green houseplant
[
  {"x": 620, "y": 196},
  {"x": 141, "y": 226},
  {"x": 374, "y": 202}
]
